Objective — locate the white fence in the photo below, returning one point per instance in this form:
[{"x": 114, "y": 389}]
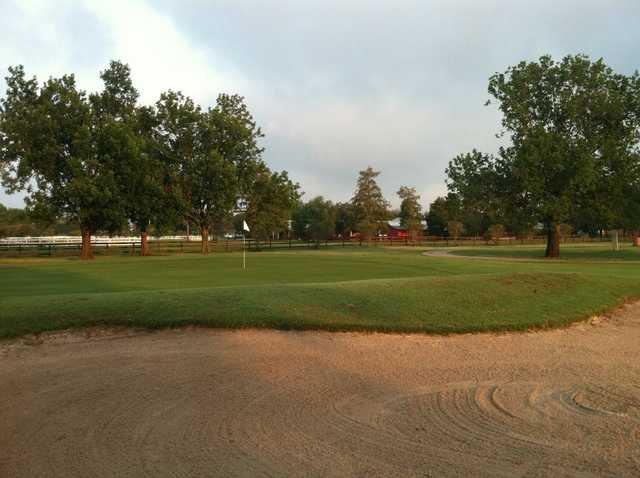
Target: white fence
[{"x": 62, "y": 240}]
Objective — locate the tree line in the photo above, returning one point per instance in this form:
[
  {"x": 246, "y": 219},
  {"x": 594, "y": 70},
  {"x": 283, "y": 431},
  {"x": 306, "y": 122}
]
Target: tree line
[
  {"x": 366, "y": 214},
  {"x": 571, "y": 159},
  {"x": 570, "y": 162},
  {"x": 106, "y": 163}
]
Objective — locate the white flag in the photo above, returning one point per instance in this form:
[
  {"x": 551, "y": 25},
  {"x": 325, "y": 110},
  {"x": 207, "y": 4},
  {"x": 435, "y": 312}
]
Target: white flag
[{"x": 245, "y": 226}]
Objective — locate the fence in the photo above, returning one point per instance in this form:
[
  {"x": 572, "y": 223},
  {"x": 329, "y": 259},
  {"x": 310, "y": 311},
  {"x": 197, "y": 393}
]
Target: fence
[{"x": 70, "y": 246}]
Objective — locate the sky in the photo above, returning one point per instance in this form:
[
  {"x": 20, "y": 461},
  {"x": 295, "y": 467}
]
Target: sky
[{"x": 336, "y": 86}]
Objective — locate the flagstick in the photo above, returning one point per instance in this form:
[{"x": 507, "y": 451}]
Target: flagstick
[{"x": 244, "y": 253}]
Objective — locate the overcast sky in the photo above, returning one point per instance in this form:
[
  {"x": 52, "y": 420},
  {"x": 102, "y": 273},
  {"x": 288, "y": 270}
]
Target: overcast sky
[{"x": 336, "y": 85}]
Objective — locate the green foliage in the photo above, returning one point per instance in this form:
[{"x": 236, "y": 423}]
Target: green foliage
[
  {"x": 371, "y": 208},
  {"x": 16, "y": 222},
  {"x": 315, "y": 220},
  {"x": 573, "y": 156},
  {"x": 126, "y": 134},
  {"x": 103, "y": 160},
  {"x": 271, "y": 201},
  {"x": 574, "y": 130},
  {"x": 54, "y": 139},
  {"x": 476, "y": 180},
  {"x": 234, "y": 134},
  {"x": 346, "y": 220},
  {"x": 13, "y": 215},
  {"x": 441, "y": 211},
  {"x": 210, "y": 158},
  {"x": 455, "y": 229},
  {"x": 174, "y": 140},
  {"x": 208, "y": 187},
  {"x": 495, "y": 232},
  {"x": 410, "y": 210}
]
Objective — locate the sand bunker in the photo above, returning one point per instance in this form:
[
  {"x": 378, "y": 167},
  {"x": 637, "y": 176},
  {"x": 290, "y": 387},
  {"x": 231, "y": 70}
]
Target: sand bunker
[{"x": 197, "y": 402}]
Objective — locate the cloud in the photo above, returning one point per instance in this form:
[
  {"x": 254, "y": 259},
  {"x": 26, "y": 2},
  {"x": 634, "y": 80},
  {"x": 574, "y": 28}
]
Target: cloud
[
  {"x": 336, "y": 85},
  {"x": 160, "y": 55}
]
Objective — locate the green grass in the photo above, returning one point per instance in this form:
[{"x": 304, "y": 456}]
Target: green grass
[
  {"x": 588, "y": 252},
  {"x": 376, "y": 290}
]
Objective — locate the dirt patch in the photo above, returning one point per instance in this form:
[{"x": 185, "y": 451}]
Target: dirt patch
[{"x": 198, "y": 402}]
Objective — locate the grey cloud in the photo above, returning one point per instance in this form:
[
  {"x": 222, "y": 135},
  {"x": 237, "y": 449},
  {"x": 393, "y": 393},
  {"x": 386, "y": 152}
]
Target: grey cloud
[{"x": 339, "y": 85}]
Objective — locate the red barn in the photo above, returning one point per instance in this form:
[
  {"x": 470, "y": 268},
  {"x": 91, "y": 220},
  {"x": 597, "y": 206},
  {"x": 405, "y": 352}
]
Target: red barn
[{"x": 396, "y": 231}]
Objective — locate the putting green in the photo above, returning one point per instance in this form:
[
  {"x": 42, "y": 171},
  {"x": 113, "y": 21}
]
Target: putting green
[{"x": 364, "y": 289}]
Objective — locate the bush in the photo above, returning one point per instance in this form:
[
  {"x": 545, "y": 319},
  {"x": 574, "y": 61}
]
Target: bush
[
  {"x": 495, "y": 232},
  {"x": 455, "y": 229}
]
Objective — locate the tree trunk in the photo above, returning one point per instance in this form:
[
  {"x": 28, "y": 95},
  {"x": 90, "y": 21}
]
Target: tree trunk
[
  {"x": 86, "y": 253},
  {"x": 144, "y": 244},
  {"x": 204, "y": 233},
  {"x": 553, "y": 241}
]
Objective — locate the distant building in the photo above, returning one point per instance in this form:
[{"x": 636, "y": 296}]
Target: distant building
[{"x": 397, "y": 231}]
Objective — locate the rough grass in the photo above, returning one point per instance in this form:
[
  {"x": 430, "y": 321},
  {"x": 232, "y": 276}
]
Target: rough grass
[{"x": 377, "y": 291}]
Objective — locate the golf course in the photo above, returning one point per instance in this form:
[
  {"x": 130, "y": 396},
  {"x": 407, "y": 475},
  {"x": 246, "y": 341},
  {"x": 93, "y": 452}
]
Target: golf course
[
  {"x": 356, "y": 289},
  {"x": 183, "y": 401}
]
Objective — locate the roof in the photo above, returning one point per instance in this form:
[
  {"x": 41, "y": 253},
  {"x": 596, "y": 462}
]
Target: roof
[{"x": 396, "y": 223}]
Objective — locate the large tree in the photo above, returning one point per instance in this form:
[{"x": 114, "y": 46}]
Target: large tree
[
  {"x": 371, "y": 208},
  {"x": 442, "y": 211},
  {"x": 346, "y": 221},
  {"x": 573, "y": 127},
  {"x": 410, "y": 211},
  {"x": 124, "y": 132},
  {"x": 211, "y": 157},
  {"x": 271, "y": 200},
  {"x": 16, "y": 222},
  {"x": 473, "y": 179},
  {"x": 53, "y": 145},
  {"x": 315, "y": 220},
  {"x": 174, "y": 141},
  {"x": 145, "y": 183}
]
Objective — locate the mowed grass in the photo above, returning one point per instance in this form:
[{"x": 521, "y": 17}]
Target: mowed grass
[
  {"x": 589, "y": 252},
  {"x": 373, "y": 290}
]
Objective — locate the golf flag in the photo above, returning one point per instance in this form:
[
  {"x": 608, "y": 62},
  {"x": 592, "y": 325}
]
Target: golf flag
[{"x": 245, "y": 227}]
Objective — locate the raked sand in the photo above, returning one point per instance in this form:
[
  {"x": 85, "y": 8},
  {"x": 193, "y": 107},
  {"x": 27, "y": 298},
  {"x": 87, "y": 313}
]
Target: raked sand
[{"x": 198, "y": 402}]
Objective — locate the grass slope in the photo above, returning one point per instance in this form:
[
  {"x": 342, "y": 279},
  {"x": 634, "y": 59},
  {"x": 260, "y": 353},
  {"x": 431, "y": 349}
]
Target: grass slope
[{"x": 378, "y": 290}]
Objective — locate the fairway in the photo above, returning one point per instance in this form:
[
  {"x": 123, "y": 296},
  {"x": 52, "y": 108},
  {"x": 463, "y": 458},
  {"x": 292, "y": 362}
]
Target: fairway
[
  {"x": 377, "y": 289},
  {"x": 579, "y": 252}
]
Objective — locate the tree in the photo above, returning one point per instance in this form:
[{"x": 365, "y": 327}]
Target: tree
[
  {"x": 271, "y": 201},
  {"x": 369, "y": 203},
  {"x": 410, "y": 211},
  {"x": 455, "y": 229},
  {"x": 209, "y": 190},
  {"x": 174, "y": 140},
  {"x": 125, "y": 133},
  {"x": 52, "y": 146},
  {"x": 441, "y": 211},
  {"x": 495, "y": 232},
  {"x": 210, "y": 158},
  {"x": 574, "y": 129},
  {"x": 315, "y": 220},
  {"x": 145, "y": 184},
  {"x": 475, "y": 180},
  {"x": 235, "y": 135},
  {"x": 16, "y": 222},
  {"x": 346, "y": 221}
]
